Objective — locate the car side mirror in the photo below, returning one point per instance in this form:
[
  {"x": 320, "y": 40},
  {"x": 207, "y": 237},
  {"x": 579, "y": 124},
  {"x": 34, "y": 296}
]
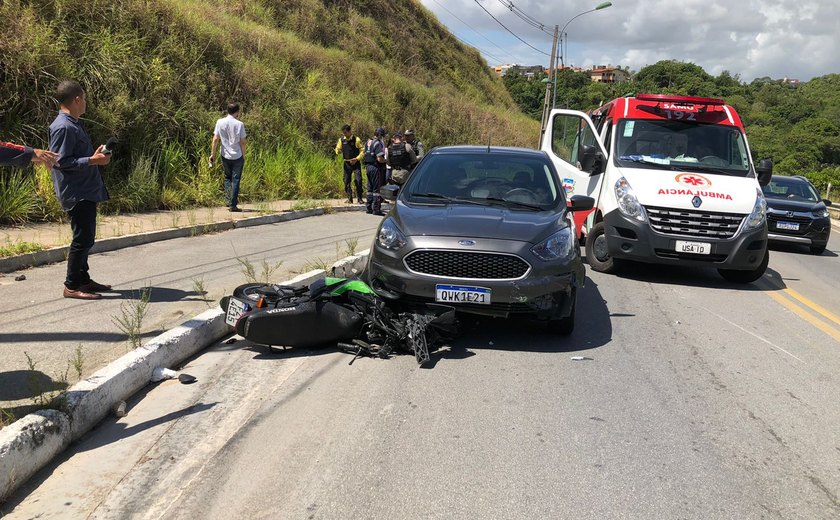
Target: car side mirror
[
  {"x": 764, "y": 171},
  {"x": 581, "y": 203},
  {"x": 827, "y": 202},
  {"x": 591, "y": 159},
  {"x": 389, "y": 192}
]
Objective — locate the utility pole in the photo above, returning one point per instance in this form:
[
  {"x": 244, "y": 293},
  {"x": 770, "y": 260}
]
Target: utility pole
[{"x": 552, "y": 66}]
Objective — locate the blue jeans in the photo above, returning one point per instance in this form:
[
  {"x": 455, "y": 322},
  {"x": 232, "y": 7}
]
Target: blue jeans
[{"x": 233, "y": 173}]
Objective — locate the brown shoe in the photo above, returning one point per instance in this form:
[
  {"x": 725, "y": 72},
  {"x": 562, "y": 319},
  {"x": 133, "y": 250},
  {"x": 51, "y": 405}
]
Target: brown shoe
[
  {"x": 80, "y": 295},
  {"x": 92, "y": 286}
]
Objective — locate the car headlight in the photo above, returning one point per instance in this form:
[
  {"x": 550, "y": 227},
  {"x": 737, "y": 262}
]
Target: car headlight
[
  {"x": 558, "y": 246},
  {"x": 627, "y": 201},
  {"x": 821, "y": 213},
  {"x": 758, "y": 216},
  {"x": 390, "y": 236}
]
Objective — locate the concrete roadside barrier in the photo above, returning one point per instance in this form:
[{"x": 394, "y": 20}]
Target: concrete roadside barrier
[{"x": 30, "y": 443}]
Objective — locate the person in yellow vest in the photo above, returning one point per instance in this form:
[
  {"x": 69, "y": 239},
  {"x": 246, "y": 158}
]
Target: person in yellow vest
[{"x": 350, "y": 147}]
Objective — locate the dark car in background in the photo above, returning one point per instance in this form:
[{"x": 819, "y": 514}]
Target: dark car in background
[
  {"x": 486, "y": 230},
  {"x": 796, "y": 214}
]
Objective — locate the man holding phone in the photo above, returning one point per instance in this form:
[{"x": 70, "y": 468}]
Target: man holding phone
[{"x": 78, "y": 186}]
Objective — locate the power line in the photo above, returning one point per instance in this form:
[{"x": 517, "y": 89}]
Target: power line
[
  {"x": 482, "y": 51},
  {"x": 508, "y": 30},
  {"x": 522, "y": 15},
  {"x": 476, "y": 31}
]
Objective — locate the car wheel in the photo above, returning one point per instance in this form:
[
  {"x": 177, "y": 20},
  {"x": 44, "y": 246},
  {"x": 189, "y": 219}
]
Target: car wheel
[
  {"x": 565, "y": 326},
  {"x": 818, "y": 250},
  {"x": 597, "y": 254},
  {"x": 746, "y": 276}
]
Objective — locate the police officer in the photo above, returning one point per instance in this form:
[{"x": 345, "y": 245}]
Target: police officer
[
  {"x": 351, "y": 148},
  {"x": 374, "y": 159},
  {"x": 419, "y": 148},
  {"x": 401, "y": 158}
]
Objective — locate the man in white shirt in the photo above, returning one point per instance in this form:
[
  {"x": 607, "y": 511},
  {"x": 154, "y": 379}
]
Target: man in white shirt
[{"x": 230, "y": 132}]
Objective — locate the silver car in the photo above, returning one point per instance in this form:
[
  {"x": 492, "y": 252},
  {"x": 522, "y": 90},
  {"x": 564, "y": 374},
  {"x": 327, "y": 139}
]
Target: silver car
[{"x": 487, "y": 230}]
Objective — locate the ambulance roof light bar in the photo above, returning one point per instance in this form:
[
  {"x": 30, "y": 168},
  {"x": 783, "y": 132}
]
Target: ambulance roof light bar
[{"x": 663, "y": 98}]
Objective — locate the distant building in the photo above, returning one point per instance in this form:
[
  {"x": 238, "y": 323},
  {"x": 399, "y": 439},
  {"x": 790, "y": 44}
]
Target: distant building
[
  {"x": 529, "y": 71},
  {"x": 790, "y": 82},
  {"x": 608, "y": 74}
]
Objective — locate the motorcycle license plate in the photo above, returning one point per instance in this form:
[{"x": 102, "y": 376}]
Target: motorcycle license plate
[
  {"x": 462, "y": 294},
  {"x": 235, "y": 310},
  {"x": 697, "y": 248},
  {"x": 792, "y": 226}
]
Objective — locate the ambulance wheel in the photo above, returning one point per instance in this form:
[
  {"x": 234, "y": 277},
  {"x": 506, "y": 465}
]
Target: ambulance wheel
[
  {"x": 597, "y": 254},
  {"x": 746, "y": 276}
]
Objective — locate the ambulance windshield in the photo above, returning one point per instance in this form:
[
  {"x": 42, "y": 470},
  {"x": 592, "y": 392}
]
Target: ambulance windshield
[{"x": 681, "y": 145}]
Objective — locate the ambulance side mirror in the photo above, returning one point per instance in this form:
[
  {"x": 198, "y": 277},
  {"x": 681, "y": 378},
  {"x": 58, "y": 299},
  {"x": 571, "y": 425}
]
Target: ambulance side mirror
[
  {"x": 764, "y": 170},
  {"x": 591, "y": 159}
]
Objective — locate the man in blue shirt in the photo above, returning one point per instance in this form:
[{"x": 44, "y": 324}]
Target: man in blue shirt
[{"x": 78, "y": 186}]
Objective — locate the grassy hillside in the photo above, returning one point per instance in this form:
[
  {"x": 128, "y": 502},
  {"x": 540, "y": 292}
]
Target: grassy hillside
[{"x": 159, "y": 72}]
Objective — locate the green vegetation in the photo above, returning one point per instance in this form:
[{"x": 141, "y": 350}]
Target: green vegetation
[
  {"x": 159, "y": 72},
  {"x": 799, "y": 128},
  {"x": 19, "y": 248}
]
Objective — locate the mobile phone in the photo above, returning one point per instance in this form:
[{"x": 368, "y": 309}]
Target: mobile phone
[{"x": 110, "y": 145}]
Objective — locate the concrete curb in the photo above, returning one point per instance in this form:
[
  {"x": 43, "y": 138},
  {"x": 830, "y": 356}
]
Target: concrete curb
[
  {"x": 31, "y": 442},
  {"x": 59, "y": 254}
]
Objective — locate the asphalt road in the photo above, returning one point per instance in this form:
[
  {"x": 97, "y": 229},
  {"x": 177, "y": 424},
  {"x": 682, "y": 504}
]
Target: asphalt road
[
  {"x": 699, "y": 399},
  {"x": 185, "y": 276}
]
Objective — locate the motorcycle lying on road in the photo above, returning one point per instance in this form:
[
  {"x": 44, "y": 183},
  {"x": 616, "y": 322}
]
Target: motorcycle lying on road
[{"x": 341, "y": 311}]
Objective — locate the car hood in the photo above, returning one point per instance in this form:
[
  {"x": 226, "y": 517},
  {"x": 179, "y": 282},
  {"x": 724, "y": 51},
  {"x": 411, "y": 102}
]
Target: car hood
[
  {"x": 791, "y": 205},
  {"x": 676, "y": 189},
  {"x": 474, "y": 221}
]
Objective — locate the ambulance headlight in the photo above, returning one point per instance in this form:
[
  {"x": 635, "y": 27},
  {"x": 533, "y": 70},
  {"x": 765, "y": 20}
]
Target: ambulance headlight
[
  {"x": 757, "y": 218},
  {"x": 628, "y": 204}
]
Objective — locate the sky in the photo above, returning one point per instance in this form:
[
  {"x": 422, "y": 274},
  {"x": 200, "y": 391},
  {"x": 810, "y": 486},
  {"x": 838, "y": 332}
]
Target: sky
[{"x": 797, "y": 39}]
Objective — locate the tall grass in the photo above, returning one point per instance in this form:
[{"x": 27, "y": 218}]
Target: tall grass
[
  {"x": 158, "y": 74},
  {"x": 17, "y": 196}
]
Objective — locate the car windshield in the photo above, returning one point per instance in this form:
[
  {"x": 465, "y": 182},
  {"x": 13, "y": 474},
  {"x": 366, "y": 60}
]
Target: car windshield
[
  {"x": 790, "y": 189},
  {"x": 525, "y": 182},
  {"x": 681, "y": 145}
]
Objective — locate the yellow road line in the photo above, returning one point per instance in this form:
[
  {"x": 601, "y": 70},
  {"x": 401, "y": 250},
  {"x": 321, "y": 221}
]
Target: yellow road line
[
  {"x": 805, "y": 315},
  {"x": 827, "y": 314}
]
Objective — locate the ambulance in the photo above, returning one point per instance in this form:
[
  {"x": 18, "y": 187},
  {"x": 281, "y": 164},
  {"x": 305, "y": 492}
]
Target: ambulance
[{"x": 673, "y": 182}]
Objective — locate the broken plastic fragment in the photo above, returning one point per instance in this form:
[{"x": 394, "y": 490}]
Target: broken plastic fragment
[
  {"x": 20, "y": 278},
  {"x": 159, "y": 374},
  {"x": 119, "y": 409},
  {"x": 581, "y": 358},
  {"x": 230, "y": 341},
  {"x": 187, "y": 379}
]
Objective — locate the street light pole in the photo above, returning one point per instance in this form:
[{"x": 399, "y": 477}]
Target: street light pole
[
  {"x": 551, "y": 67},
  {"x": 602, "y": 5}
]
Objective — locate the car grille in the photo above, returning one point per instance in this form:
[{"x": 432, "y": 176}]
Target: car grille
[
  {"x": 774, "y": 218},
  {"x": 469, "y": 265},
  {"x": 691, "y": 223}
]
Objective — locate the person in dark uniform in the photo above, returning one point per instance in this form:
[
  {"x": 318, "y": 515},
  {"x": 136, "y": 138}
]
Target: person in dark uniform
[
  {"x": 20, "y": 155},
  {"x": 374, "y": 159},
  {"x": 78, "y": 186},
  {"x": 351, "y": 148},
  {"x": 401, "y": 159}
]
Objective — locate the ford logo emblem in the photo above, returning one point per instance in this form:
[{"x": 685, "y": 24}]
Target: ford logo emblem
[{"x": 467, "y": 242}]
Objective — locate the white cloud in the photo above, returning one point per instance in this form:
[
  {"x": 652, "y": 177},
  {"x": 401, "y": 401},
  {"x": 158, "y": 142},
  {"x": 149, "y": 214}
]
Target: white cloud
[{"x": 753, "y": 38}]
